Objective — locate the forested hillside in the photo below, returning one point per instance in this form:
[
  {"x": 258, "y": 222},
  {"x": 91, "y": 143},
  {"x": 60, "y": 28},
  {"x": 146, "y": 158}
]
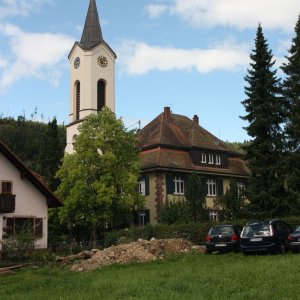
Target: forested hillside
[{"x": 39, "y": 145}]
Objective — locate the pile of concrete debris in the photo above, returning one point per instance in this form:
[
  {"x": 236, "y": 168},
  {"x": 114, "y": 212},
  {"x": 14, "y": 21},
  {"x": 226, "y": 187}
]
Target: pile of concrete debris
[{"x": 140, "y": 251}]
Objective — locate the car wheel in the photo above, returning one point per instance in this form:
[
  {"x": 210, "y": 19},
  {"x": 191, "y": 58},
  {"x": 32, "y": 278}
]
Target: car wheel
[{"x": 295, "y": 251}]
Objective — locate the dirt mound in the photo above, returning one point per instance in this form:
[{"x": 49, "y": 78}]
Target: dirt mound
[{"x": 140, "y": 251}]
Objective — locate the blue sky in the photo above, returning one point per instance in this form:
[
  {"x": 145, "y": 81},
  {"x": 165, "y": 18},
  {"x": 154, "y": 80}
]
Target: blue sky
[{"x": 191, "y": 55}]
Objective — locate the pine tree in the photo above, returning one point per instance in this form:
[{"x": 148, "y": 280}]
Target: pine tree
[
  {"x": 265, "y": 116},
  {"x": 291, "y": 93}
]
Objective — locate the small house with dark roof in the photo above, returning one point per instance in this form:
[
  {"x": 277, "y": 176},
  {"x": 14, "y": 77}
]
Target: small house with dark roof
[
  {"x": 171, "y": 147},
  {"x": 24, "y": 199}
]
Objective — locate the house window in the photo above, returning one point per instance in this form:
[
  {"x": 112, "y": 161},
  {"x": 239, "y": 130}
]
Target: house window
[
  {"x": 218, "y": 159},
  {"x": 203, "y": 158},
  {"x": 241, "y": 189},
  {"x": 100, "y": 94},
  {"x": 21, "y": 225},
  {"x": 213, "y": 215},
  {"x": 211, "y": 187},
  {"x": 142, "y": 187},
  {"x": 210, "y": 158},
  {"x": 179, "y": 185},
  {"x": 6, "y": 187}
]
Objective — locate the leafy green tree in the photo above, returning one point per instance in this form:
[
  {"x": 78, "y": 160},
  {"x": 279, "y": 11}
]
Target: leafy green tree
[
  {"x": 265, "y": 116},
  {"x": 195, "y": 196},
  {"x": 99, "y": 180},
  {"x": 232, "y": 202},
  {"x": 291, "y": 93},
  {"x": 175, "y": 213}
]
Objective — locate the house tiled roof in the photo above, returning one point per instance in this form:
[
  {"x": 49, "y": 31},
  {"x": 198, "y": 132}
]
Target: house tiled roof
[
  {"x": 35, "y": 179},
  {"x": 166, "y": 143},
  {"x": 179, "y": 131}
]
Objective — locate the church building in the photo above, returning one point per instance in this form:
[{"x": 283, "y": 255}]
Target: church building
[
  {"x": 92, "y": 78},
  {"x": 171, "y": 146}
]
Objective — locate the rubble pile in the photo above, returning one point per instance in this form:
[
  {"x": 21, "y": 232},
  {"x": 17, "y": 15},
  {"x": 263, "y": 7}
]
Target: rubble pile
[{"x": 140, "y": 251}]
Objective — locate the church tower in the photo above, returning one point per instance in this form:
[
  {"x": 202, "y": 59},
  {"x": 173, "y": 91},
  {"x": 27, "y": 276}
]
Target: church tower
[{"x": 92, "y": 75}]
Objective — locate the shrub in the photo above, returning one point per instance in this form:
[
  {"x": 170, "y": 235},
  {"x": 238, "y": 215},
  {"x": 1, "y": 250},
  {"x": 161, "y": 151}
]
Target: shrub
[{"x": 19, "y": 246}]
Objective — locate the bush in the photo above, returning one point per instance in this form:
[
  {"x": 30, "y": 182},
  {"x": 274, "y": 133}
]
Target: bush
[
  {"x": 176, "y": 213},
  {"x": 18, "y": 246}
]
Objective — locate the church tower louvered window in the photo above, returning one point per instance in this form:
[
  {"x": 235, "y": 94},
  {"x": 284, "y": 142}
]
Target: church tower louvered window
[
  {"x": 100, "y": 94},
  {"x": 78, "y": 100}
]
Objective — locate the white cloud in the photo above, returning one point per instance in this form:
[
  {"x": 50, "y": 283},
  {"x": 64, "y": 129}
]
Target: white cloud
[
  {"x": 273, "y": 14},
  {"x": 156, "y": 10},
  {"x": 20, "y": 7},
  {"x": 33, "y": 54},
  {"x": 139, "y": 58}
]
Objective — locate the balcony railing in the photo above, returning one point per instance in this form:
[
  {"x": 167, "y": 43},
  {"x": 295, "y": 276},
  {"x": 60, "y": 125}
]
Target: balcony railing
[{"x": 7, "y": 203}]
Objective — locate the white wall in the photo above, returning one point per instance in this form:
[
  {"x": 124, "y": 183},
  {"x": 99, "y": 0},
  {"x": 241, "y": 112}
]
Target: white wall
[{"x": 30, "y": 202}]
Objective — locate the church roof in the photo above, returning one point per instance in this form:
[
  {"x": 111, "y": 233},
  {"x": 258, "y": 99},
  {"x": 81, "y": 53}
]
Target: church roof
[{"x": 91, "y": 35}]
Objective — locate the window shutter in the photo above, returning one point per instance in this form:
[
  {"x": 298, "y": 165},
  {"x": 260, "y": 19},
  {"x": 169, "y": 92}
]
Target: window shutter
[
  {"x": 204, "y": 185},
  {"x": 220, "y": 190},
  {"x": 147, "y": 217},
  {"x": 146, "y": 178},
  {"x": 170, "y": 184}
]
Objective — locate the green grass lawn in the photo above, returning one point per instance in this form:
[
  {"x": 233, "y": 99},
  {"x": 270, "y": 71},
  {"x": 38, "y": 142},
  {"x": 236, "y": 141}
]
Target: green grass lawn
[{"x": 192, "y": 276}]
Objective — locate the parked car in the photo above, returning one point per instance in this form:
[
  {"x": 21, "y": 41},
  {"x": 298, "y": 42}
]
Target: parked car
[
  {"x": 269, "y": 236},
  {"x": 223, "y": 238},
  {"x": 294, "y": 240}
]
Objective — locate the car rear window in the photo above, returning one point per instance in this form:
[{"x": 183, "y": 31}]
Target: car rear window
[
  {"x": 224, "y": 230},
  {"x": 259, "y": 229},
  {"x": 297, "y": 229}
]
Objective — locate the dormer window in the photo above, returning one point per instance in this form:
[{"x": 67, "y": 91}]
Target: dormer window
[
  {"x": 218, "y": 159},
  {"x": 6, "y": 187},
  {"x": 210, "y": 158},
  {"x": 203, "y": 158}
]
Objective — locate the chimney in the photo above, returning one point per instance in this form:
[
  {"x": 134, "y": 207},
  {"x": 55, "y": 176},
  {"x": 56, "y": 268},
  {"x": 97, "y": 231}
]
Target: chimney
[
  {"x": 167, "y": 113},
  {"x": 196, "y": 119}
]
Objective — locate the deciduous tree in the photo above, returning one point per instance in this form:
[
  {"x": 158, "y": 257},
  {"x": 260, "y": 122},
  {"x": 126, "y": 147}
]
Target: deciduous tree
[{"x": 99, "y": 180}]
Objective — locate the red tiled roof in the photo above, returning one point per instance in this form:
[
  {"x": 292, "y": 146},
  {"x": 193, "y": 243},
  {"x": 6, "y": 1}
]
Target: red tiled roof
[
  {"x": 167, "y": 140},
  {"x": 179, "y": 131}
]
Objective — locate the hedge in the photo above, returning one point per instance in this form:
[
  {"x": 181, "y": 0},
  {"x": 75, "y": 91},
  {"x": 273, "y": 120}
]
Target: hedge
[{"x": 194, "y": 232}]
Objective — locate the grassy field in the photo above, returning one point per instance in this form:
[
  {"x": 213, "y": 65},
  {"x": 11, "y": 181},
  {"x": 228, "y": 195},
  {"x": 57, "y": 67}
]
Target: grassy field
[{"x": 192, "y": 276}]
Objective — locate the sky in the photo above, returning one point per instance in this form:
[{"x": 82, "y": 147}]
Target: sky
[{"x": 190, "y": 55}]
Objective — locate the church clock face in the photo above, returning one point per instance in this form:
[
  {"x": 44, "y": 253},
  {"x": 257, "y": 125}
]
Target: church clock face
[
  {"x": 102, "y": 61},
  {"x": 76, "y": 62}
]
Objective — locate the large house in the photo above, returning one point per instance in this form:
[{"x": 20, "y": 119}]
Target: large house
[
  {"x": 24, "y": 199},
  {"x": 172, "y": 146}
]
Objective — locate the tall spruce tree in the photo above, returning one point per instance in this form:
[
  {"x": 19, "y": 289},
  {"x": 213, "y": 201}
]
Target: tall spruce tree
[
  {"x": 291, "y": 93},
  {"x": 265, "y": 116}
]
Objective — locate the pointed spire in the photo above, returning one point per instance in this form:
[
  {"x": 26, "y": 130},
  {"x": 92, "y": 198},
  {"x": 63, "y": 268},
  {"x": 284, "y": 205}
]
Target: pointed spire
[{"x": 91, "y": 35}]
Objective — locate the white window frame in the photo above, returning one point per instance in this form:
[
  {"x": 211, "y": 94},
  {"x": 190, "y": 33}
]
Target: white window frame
[
  {"x": 213, "y": 215},
  {"x": 203, "y": 158},
  {"x": 241, "y": 188},
  {"x": 218, "y": 159},
  {"x": 210, "y": 158},
  {"x": 178, "y": 185},
  {"x": 142, "y": 187},
  {"x": 211, "y": 187}
]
